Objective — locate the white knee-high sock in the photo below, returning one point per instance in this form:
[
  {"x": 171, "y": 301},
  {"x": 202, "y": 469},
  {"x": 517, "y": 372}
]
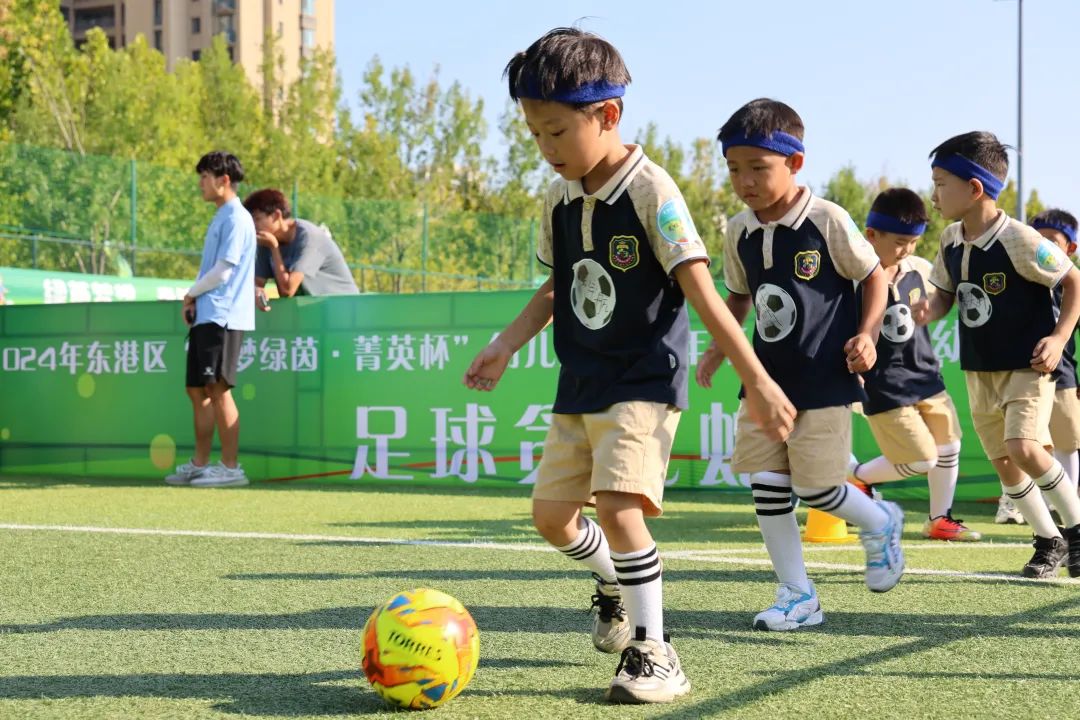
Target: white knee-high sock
[
  {"x": 880, "y": 470},
  {"x": 780, "y": 530},
  {"x": 639, "y": 574},
  {"x": 1058, "y": 490},
  {"x": 852, "y": 506},
  {"x": 942, "y": 479},
  {"x": 1070, "y": 460},
  {"x": 591, "y": 548},
  {"x": 1028, "y": 500}
]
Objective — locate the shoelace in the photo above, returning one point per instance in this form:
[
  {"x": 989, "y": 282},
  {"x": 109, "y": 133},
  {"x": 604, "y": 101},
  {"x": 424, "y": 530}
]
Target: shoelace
[
  {"x": 954, "y": 521},
  {"x": 636, "y": 663},
  {"x": 608, "y": 607}
]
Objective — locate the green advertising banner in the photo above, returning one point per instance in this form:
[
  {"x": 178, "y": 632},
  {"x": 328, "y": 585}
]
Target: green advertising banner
[
  {"x": 341, "y": 389},
  {"x": 33, "y": 287}
]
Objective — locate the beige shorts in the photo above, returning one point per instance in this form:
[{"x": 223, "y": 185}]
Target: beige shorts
[
  {"x": 815, "y": 455},
  {"x": 1010, "y": 405},
  {"x": 1065, "y": 420},
  {"x": 914, "y": 432},
  {"x": 623, "y": 448}
]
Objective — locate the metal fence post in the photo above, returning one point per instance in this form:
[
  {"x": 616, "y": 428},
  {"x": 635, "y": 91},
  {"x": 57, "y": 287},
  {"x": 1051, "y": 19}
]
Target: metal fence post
[
  {"x": 295, "y": 198},
  {"x": 134, "y": 210},
  {"x": 33, "y": 251},
  {"x": 424, "y": 250}
]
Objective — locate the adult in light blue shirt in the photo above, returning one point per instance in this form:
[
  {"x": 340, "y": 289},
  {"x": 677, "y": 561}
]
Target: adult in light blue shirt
[{"x": 219, "y": 307}]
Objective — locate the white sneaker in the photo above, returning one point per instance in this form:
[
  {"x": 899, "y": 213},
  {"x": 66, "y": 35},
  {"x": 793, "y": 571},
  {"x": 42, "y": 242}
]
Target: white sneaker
[
  {"x": 792, "y": 610},
  {"x": 221, "y": 476},
  {"x": 186, "y": 473},
  {"x": 611, "y": 629},
  {"x": 1007, "y": 512},
  {"x": 648, "y": 672},
  {"x": 884, "y": 556}
]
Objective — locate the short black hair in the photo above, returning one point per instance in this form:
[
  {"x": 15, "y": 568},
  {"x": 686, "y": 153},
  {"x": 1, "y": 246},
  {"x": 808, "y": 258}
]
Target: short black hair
[
  {"x": 565, "y": 59},
  {"x": 980, "y": 147},
  {"x": 763, "y": 116},
  {"x": 267, "y": 201},
  {"x": 220, "y": 163},
  {"x": 1054, "y": 215},
  {"x": 903, "y": 204}
]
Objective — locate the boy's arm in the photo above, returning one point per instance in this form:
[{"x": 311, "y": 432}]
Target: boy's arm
[
  {"x": 932, "y": 308},
  {"x": 710, "y": 361},
  {"x": 1047, "y": 353},
  {"x": 765, "y": 401},
  {"x": 489, "y": 365},
  {"x": 862, "y": 349}
]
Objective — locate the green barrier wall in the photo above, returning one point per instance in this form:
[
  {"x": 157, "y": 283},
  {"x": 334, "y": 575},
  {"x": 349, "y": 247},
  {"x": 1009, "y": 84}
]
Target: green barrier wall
[
  {"x": 346, "y": 389},
  {"x": 31, "y": 287}
]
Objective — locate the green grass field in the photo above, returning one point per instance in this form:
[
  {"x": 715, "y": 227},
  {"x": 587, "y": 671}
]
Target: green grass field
[{"x": 137, "y": 600}]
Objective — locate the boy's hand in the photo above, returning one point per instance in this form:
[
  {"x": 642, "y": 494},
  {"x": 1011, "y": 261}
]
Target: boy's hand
[
  {"x": 1047, "y": 354},
  {"x": 769, "y": 408},
  {"x": 708, "y": 364},
  {"x": 187, "y": 311},
  {"x": 861, "y": 353},
  {"x": 920, "y": 311},
  {"x": 486, "y": 369},
  {"x": 266, "y": 239}
]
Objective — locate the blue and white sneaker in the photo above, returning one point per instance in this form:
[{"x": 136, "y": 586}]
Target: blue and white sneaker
[
  {"x": 884, "y": 556},
  {"x": 792, "y": 610}
]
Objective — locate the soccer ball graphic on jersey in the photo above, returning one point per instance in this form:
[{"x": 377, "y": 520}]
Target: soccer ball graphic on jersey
[
  {"x": 420, "y": 649},
  {"x": 592, "y": 294},
  {"x": 776, "y": 312},
  {"x": 975, "y": 306},
  {"x": 898, "y": 326}
]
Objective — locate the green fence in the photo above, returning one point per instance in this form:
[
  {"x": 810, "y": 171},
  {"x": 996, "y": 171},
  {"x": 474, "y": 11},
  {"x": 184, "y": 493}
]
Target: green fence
[{"x": 105, "y": 215}]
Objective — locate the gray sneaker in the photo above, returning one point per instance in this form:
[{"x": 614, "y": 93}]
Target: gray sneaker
[
  {"x": 221, "y": 476},
  {"x": 648, "y": 672},
  {"x": 186, "y": 473},
  {"x": 610, "y": 630},
  {"x": 884, "y": 556}
]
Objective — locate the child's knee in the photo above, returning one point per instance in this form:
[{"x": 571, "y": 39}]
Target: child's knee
[{"x": 1023, "y": 452}]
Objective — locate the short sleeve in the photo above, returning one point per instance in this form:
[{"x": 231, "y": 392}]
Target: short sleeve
[
  {"x": 939, "y": 274},
  {"x": 852, "y": 254},
  {"x": 663, "y": 213},
  {"x": 311, "y": 254},
  {"x": 545, "y": 252},
  {"x": 923, "y": 268},
  {"x": 734, "y": 270},
  {"x": 1035, "y": 258},
  {"x": 231, "y": 240}
]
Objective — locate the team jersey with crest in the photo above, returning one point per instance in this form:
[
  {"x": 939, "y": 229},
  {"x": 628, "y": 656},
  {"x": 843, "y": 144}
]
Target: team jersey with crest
[
  {"x": 1002, "y": 281},
  {"x": 907, "y": 370},
  {"x": 799, "y": 271},
  {"x": 620, "y": 324},
  {"x": 1065, "y": 373}
]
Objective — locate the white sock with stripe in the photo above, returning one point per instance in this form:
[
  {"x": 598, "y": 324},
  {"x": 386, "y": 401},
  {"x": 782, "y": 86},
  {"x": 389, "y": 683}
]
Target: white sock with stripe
[
  {"x": 591, "y": 548},
  {"x": 779, "y": 528},
  {"x": 1070, "y": 460},
  {"x": 847, "y": 503},
  {"x": 942, "y": 479},
  {"x": 1028, "y": 500},
  {"x": 1058, "y": 489},
  {"x": 880, "y": 470},
  {"x": 639, "y": 575}
]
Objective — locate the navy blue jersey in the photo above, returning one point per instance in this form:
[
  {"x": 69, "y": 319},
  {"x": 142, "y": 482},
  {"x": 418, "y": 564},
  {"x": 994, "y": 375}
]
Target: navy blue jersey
[
  {"x": 907, "y": 370},
  {"x": 1002, "y": 281},
  {"x": 621, "y": 327},
  {"x": 1065, "y": 374},
  {"x": 800, "y": 272}
]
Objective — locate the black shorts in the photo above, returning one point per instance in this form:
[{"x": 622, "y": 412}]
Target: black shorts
[{"x": 213, "y": 354}]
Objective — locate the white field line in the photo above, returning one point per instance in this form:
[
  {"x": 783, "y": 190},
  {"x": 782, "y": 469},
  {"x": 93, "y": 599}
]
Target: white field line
[{"x": 726, "y": 556}]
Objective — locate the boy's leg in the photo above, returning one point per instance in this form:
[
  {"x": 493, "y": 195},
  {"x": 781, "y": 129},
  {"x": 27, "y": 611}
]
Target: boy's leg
[
  {"x": 941, "y": 420},
  {"x": 1065, "y": 432},
  {"x": 770, "y": 481},
  {"x": 203, "y": 411},
  {"x": 819, "y": 450},
  {"x": 907, "y": 448},
  {"x": 227, "y": 421},
  {"x": 562, "y": 488}
]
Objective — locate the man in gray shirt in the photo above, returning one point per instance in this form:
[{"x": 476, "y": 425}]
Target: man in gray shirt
[{"x": 300, "y": 256}]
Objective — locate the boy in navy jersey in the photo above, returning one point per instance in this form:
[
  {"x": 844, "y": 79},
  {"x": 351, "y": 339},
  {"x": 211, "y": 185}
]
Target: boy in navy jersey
[
  {"x": 910, "y": 415},
  {"x": 625, "y": 257},
  {"x": 1059, "y": 227},
  {"x": 1002, "y": 272},
  {"x": 796, "y": 258}
]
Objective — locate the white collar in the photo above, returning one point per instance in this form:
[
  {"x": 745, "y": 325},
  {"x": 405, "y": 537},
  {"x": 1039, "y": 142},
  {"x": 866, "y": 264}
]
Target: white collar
[
  {"x": 793, "y": 218},
  {"x": 616, "y": 184}
]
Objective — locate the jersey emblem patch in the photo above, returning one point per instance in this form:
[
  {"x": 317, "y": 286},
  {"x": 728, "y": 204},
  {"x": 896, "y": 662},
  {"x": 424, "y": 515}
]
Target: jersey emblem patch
[
  {"x": 1047, "y": 256},
  {"x": 994, "y": 283},
  {"x": 807, "y": 264},
  {"x": 913, "y": 295},
  {"x": 674, "y": 222},
  {"x": 623, "y": 252}
]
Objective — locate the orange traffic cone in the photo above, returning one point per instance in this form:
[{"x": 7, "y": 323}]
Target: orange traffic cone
[{"x": 821, "y": 527}]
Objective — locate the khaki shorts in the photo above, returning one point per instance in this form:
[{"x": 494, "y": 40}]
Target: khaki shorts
[
  {"x": 914, "y": 432},
  {"x": 1010, "y": 405},
  {"x": 816, "y": 453},
  {"x": 624, "y": 448},
  {"x": 1065, "y": 420}
]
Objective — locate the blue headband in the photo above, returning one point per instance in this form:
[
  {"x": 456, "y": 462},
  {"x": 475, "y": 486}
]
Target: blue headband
[
  {"x": 779, "y": 142},
  {"x": 889, "y": 224},
  {"x": 965, "y": 169},
  {"x": 587, "y": 93},
  {"x": 1068, "y": 230}
]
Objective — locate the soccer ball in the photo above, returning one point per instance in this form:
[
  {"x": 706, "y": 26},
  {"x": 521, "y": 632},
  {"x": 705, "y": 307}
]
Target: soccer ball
[
  {"x": 975, "y": 306},
  {"x": 776, "y": 312},
  {"x": 592, "y": 294},
  {"x": 420, "y": 649},
  {"x": 898, "y": 326}
]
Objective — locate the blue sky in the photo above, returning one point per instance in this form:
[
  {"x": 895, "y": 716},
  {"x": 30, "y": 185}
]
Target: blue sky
[{"x": 878, "y": 83}]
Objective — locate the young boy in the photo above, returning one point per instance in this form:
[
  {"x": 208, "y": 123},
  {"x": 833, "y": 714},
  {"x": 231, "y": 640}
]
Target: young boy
[
  {"x": 910, "y": 415},
  {"x": 219, "y": 307},
  {"x": 624, "y": 256},
  {"x": 1001, "y": 272},
  {"x": 1059, "y": 227},
  {"x": 795, "y": 257}
]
